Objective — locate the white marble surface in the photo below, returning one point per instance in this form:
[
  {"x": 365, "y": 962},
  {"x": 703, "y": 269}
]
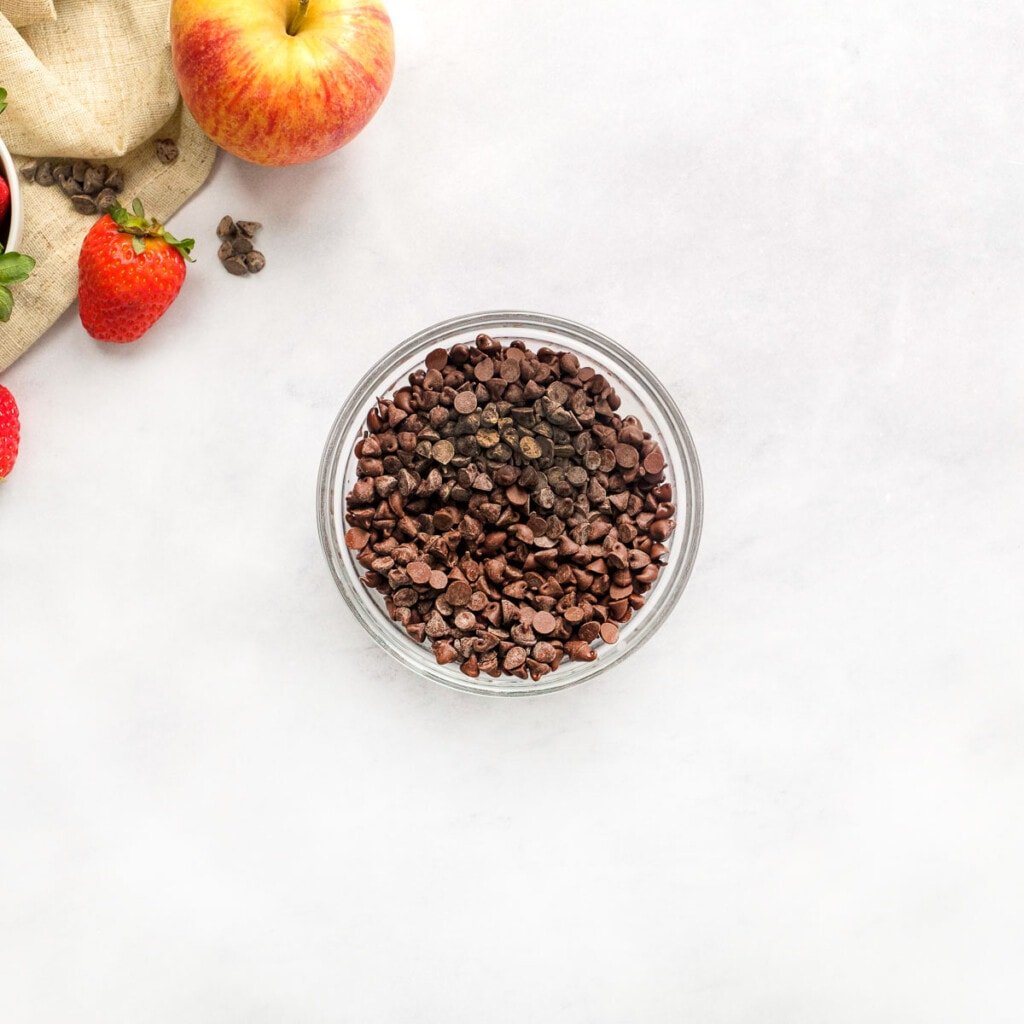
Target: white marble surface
[{"x": 800, "y": 804}]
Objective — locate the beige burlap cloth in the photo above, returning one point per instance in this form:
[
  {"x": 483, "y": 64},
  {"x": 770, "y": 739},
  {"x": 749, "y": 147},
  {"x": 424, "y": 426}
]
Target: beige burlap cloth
[{"x": 91, "y": 79}]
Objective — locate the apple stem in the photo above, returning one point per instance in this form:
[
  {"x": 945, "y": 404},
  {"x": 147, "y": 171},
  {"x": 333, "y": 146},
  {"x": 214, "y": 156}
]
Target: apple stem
[{"x": 297, "y": 18}]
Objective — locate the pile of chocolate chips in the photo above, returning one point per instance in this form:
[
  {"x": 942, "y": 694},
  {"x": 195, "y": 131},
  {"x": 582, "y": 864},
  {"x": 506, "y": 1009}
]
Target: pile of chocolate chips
[
  {"x": 90, "y": 188},
  {"x": 506, "y": 511},
  {"x": 237, "y": 253}
]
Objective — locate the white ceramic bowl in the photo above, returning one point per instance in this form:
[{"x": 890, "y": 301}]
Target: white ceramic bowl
[{"x": 11, "y": 238}]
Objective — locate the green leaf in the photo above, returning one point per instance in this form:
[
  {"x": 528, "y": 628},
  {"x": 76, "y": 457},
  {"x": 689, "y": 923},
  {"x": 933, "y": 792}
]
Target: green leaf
[
  {"x": 6, "y": 303},
  {"x": 3, "y": 100},
  {"x": 15, "y": 267},
  {"x": 183, "y": 245},
  {"x": 138, "y": 244},
  {"x": 137, "y": 207}
]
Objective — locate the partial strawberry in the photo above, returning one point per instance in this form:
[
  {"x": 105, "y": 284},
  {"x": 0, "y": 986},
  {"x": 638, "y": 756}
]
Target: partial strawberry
[
  {"x": 5, "y": 197},
  {"x": 130, "y": 270},
  {"x": 10, "y": 431},
  {"x": 14, "y": 267}
]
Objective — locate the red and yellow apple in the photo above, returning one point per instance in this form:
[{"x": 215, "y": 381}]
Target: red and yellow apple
[{"x": 282, "y": 81}]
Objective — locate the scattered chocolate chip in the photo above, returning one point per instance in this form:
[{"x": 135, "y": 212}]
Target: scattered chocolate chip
[
  {"x": 226, "y": 250},
  {"x": 255, "y": 262},
  {"x": 115, "y": 180},
  {"x": 226, "y": 227},
  {"x": 84, "y": 204},
  {"x": 106, "y": 200},
  {"x": 241, "y": 245},
  {"x": 28, "y": 170},
  {"x": 44, "y": 174},
  {"x": 236, "y": 265},
  {"x": 166, "y": 150},
  {"x": 248, "y": 228},
  {"x": 92, "y": 184}
]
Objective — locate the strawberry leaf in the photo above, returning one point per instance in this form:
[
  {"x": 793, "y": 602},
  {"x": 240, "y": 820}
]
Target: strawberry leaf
[
  {"x": 6, "y": 303},
  {"x": 15, "y": 267},
  {"x": 3, "y": 100},
  {"x": 136, "y": 223},
  {"x": 183, "y": 245},
  {"x": 138, "y": 244}
]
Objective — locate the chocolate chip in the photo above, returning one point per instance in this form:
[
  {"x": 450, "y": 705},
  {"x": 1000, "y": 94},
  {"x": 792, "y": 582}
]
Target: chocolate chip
[
  {"x": 106, "y": 200},
  {"x": 248, "y": 228},
  {"x": 419, "y": 572},
  {"x": 443, "y": 452},
  {"x": 226, "y": 228},
  {"x": 236, "y": 265},
  {"x": 84, "y": 204},
  {"x": 166, "y": 150},
  {"x": 92, "y": 184},
  {"x": 544, "y": 623},
  {"x": 357, "y": 539},
  {"x": 255, "y": 261}
]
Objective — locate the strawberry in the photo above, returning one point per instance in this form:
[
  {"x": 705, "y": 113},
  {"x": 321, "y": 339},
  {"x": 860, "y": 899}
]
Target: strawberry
[
  {"x": 130, "y": 270},
  {"x": 5, "y": 189},
  {"x": 10, "y": 431}
]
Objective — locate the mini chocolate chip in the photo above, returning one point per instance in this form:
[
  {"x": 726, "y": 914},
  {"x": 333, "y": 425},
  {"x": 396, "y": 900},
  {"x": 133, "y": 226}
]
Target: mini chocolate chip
[
  {"x": 236, "y": 265},
  {"x": 255, "y": 261},
  {"x": 465, "y": 402},
  {"x": 92, "y": 185},
  {"x": 443, "y": 452},
  {"x": 166, "y": 151}
]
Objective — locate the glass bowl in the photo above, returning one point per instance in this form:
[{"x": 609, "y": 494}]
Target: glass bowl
[{"x": 642, "y": 395}]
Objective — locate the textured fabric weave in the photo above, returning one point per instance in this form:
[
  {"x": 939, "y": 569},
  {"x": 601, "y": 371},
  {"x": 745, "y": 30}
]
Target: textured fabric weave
[{"x": 91, "y": 79}]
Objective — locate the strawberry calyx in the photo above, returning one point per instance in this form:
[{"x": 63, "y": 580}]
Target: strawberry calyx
[
  {"x": 134, "y": 222},
  {"x": 14, "y": 268}
]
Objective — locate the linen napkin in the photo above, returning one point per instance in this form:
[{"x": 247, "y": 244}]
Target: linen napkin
[{"x": 89, "y": 79}]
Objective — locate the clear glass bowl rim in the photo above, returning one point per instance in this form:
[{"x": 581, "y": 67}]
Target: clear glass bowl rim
[{"x": 334, "y": 460}]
